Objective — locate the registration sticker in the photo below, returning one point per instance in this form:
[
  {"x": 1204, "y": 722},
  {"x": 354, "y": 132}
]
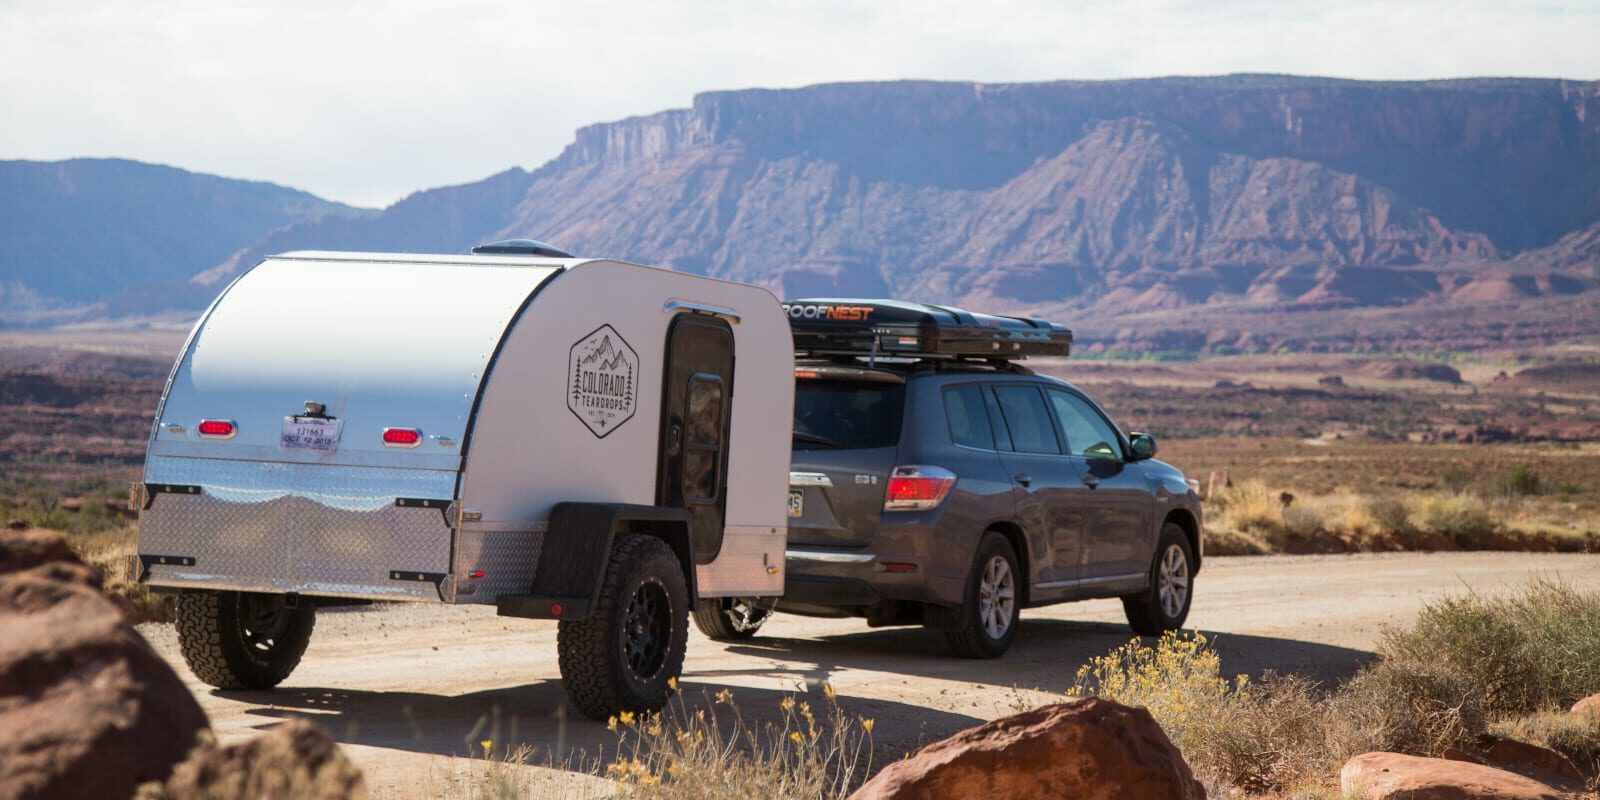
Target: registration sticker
[
  {"x": 797, "y": 503},
  {"x": 311, "y": 433}
]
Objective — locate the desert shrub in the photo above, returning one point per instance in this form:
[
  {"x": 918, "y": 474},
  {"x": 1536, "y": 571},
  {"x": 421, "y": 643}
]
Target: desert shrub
[
  {"x": 1249, "y": 506},
  {"x": 1390, "y": 515},
  {"x": 1405, "y": 706},
  {"x": 1532, "y": 650},
  {"x": 1464, "y": 517},
  {"x": 697, "y": 753},
  {"x": 1521, "y": 480},
  {"x": 1577, "y": 736},
  {"x": 1253, "y": 736}
]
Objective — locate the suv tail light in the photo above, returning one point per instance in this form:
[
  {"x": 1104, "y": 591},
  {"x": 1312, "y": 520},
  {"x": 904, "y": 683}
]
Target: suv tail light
[{"x": 917, "y": 488}]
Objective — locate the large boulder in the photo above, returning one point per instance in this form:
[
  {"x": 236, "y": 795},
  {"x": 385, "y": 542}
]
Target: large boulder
[
  {"x": 1089, "y": 749},
  {"x": 295, "y": 759},
  {"x": 1392, "y": 776},
  {"x": 87, "y": 708}
]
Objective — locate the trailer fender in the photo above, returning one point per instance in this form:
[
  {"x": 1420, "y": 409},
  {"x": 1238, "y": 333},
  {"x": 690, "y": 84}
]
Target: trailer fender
[{"x": 577, "y": 543}]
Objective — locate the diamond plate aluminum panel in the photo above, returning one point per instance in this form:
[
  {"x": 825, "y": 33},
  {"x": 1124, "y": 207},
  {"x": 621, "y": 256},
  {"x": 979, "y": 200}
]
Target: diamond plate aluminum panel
[
  {"x": 741, "y": 568},
  {"x": 307, "y": 528},
  {"x": 508, "y": 559}
]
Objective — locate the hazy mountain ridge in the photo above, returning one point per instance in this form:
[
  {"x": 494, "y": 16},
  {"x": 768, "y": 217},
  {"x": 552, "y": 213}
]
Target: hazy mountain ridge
[
  {"x": 78, "y": 231},
  {"x": 1263, "y": 191}
]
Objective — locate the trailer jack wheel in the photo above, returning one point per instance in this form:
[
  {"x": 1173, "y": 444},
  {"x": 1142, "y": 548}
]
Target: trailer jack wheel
[
  {"x": 732, "y": 619},
  {"x": 623, "y": 656},
  {"x": 242, "y": 640}
]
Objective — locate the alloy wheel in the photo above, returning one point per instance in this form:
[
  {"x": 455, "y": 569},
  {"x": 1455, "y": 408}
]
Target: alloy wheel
[{"x": 997, "y": 597}]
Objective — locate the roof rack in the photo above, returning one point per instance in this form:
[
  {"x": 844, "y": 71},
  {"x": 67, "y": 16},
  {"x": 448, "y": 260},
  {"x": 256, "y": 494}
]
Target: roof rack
[{"x": 889, "y": 328}]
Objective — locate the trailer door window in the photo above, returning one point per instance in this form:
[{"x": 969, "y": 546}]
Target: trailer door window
[{"x": 703, "y": 418}]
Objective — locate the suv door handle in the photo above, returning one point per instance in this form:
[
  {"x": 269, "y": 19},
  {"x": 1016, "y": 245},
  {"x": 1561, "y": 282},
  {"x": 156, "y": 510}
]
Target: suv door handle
[
  {"x": 1091, "y": 481},
  {"x": 1022, "y": 479}
]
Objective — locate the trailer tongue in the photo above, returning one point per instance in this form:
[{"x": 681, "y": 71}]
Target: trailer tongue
[{"x": 554, "y": 436}]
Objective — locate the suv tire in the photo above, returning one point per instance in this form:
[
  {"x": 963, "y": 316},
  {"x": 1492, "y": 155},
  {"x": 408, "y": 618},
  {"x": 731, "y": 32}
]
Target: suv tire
[
  {"x": 1165, "y": 605},
  {"x": 730, "y": 619},
  {"x": 242, "y": 640},
  {"x": 991, "y": 610},
  {"x": 623, "y": 655}
]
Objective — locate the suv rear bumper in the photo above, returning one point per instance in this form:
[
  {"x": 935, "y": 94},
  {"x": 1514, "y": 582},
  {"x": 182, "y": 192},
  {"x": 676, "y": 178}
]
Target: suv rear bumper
[{"x": 842, "y": 579}]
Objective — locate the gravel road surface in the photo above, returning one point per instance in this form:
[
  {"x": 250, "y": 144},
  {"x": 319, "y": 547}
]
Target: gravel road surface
[{"x": 412, "y": 689}]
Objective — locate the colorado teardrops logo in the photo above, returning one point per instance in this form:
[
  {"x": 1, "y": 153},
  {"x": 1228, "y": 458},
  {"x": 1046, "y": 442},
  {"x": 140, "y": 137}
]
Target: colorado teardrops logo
[{"x": 602, "y": 381}]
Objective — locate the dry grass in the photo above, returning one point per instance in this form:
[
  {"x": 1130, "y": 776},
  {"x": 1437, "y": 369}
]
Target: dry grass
[
  {"x": 1509, "y": 665},
  {"x": 712, "y": 752},
  {"x": 1250, "y": 518}
]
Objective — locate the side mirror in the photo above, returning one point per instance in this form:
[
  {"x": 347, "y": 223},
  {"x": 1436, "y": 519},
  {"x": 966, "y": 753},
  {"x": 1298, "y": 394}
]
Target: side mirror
[{"x": 1143, "y": 446}]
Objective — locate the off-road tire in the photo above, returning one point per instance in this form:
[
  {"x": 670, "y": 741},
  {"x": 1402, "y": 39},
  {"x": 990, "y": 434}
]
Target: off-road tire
[
  {"x": 228, "y": 646},
  {"x": 594, "y": 652},
  {"x": 711, "y": 617},
  {"x": 974, "y": 639},
  {"x": 1148, "y": 614}
]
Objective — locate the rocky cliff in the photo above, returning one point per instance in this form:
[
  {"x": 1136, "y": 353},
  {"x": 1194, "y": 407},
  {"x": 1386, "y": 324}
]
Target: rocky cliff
[{"x": 1300, "y": 193}]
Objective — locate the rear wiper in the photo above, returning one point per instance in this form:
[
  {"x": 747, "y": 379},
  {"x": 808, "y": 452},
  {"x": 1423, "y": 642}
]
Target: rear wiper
[{"x": 815, "y": 439}]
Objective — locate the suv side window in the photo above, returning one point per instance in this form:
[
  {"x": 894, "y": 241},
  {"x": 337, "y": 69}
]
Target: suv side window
[
  {"x": 1027, "y": 419},
  {"x": 965, "y": 414},
  {"x": 1088, "y": 434}
]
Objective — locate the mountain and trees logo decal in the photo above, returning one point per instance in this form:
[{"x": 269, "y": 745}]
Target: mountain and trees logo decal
[{"x": 602, "y": 381}]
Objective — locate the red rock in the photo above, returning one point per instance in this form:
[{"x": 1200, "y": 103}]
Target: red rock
[
  {"x": 295, "y": 759},
  {"x": 1392, "y": 776},
  {"x": 87, "y": 709},
  {"x": 1090, "y": 749},
  {"x": 1530, "y": 760},
  {"x": 1588, "y": 705}
]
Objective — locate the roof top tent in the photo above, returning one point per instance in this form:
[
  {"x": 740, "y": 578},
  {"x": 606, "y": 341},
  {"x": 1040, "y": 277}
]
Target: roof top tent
[
  {"x": 542, "y": 433},
  {"x": 856, "y": 328}
]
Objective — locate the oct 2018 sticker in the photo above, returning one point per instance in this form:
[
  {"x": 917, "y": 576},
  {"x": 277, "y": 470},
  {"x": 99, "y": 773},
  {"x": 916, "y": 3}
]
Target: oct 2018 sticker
[{"x": 602, "y": 381}]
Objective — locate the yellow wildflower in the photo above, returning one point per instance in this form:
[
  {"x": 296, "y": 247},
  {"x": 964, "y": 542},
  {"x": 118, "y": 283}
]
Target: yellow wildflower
[{"x": 866, "y": 724}]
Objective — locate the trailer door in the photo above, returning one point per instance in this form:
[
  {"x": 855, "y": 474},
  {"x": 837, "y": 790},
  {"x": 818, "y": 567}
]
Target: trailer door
[{"x": 697, "y": 395}]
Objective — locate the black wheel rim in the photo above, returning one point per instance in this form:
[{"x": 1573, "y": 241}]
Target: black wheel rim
[
  {"x": 647, "y": 630},
  {"x": 262, "y": 621}
]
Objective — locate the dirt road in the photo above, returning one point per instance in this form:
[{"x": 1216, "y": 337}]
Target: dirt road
[{"x": 407, "y": 687}]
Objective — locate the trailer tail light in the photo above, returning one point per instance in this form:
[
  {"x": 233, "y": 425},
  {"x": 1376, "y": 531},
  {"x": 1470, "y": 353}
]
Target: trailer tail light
[
  {"x": 401, "y": 437},
  {"x": 217, "y": 429},
  {"x": 917, "y": 488}
]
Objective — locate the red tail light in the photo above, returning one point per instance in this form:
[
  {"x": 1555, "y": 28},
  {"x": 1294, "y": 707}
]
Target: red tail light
[
  {"x": 401, "y": 437},
  {"x": 917, "y": 488},
  {"x": 216, "y": 429}
]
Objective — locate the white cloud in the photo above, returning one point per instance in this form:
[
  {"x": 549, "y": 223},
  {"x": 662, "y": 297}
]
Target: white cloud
[{"x": 367, "y": 100}]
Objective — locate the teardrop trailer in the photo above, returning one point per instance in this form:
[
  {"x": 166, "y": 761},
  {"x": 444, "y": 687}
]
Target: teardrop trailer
[{"x": 555, "y": 436}]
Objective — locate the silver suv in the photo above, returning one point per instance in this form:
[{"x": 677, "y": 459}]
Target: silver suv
[{"x": 953, "y": 492}]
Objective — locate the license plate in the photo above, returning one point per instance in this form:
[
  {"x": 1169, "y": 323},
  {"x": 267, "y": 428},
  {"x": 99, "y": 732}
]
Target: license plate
[
  {"x": 311, "y": 433},
  {"x": 797, "y": 503}
]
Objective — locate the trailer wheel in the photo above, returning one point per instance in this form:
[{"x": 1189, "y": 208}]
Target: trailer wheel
[
  {"x": 624, "y": 654},
  {"x": 242, "y": 640},
  {"x": 731, "y": 619}
]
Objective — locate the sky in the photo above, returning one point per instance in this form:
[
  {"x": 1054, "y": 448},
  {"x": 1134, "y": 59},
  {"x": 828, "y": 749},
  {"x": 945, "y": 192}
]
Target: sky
[{"x": 367, "y": 101}]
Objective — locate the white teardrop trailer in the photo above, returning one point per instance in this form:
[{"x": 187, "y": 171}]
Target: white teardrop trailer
[{"x": 553, "y": 435}]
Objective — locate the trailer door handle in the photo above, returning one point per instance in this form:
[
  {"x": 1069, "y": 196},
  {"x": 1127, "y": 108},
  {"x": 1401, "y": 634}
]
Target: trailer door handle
[
  {"x": 1091, "y": 481},
  {"x": 1022, "y": 479}
]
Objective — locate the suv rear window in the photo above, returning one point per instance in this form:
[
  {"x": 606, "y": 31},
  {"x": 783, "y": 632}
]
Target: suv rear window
[{"x": 850, "y": 415}]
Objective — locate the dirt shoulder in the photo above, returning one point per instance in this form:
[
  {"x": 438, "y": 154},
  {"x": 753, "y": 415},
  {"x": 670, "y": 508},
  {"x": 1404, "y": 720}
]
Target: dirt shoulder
[{"x": 408, "y": 687}]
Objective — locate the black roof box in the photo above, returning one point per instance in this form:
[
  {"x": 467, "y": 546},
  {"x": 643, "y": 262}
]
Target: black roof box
[{"x": 844, "y": 326}]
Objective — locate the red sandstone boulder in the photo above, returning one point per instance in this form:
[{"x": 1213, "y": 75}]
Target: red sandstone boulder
[
  {"x": 1588, "y": 705},
  {"x": 1090, "y": 749},
  {"x": 87, "y": 709},
  {"x": 1392, "y": 776}
]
